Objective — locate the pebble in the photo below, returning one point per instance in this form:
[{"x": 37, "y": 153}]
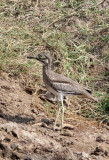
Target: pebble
[
  {"x": 45, "y": 120},
  {"x": 100, "y": 150},
  {"x": 68, "y": 126},
  {"x": 15, "y": 133},
  {"x": 69, "y": 134},
  {"x": 84, "y": 154},
  {"x": 100, "y": 138},
  {"x": 14, "y": 146}
]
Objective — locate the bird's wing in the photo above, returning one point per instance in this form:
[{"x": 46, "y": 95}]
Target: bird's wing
[
  {"x": 64, "y": 84},
  {"x": 55, "y": 77},
  {"x": 66, "y": 88}
]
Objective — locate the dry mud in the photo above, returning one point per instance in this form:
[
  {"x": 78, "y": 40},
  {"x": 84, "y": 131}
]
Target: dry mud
[{"x": 27, "y": 134}]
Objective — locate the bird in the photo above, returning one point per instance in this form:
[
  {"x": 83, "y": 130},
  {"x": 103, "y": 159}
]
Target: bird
[{"x": 60, "y": 85}]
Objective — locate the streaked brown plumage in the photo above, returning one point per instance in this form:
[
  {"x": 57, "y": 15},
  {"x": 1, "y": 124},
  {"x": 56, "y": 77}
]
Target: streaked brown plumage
[{"x": 60, "y": 85}]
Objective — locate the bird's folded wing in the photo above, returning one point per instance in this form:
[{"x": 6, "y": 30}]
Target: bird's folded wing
[
  {"x": 65, "y": 84},
  {"x": 66, "y": 88},
  {"x": 55, "y": 77}
]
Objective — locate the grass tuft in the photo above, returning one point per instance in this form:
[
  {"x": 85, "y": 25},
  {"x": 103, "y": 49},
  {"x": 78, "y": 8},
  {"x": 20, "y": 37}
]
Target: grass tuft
[{"x": 75, "y": 33}]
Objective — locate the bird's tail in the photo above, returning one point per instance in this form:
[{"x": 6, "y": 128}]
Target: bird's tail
[{"x": 88, "y": 95}]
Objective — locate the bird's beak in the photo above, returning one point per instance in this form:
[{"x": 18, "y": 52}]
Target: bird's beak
[{"x": 30, "y": 57}]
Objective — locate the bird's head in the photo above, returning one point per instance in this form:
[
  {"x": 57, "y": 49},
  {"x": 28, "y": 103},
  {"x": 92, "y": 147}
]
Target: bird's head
[{"x": 42, "y": 57}]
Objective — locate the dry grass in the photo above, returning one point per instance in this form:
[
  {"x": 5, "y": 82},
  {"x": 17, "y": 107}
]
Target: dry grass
[{"x": 75, "y": 33}]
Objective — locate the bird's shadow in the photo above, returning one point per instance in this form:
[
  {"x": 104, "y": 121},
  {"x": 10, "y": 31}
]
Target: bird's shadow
[{"x": 16, "y": 118}]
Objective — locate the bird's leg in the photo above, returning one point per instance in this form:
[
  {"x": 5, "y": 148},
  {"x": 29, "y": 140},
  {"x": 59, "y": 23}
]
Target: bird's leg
[
  {"x": 62, "y": 112},
  {"x": 59, "y": 109}
]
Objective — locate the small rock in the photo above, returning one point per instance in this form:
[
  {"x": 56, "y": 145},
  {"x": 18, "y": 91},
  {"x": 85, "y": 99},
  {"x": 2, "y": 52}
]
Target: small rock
[
  {"x": 100, "y": 138},
  {"x": 68, "y": 126},
  {"x": 15, "y": 133},
  {"x": 69, "y": 143},
  {"x": 86, "y": 155},
  {"x": 98, "y": 150},
  {"x": 69, "y": 134},
  {"x": 34, "y": 110},
  {"x": 29, "y": 90},
  {"x": 15, "y": 156},
  {"x": 106, "y": 153},
  {"x": 5, "y": 87},
  {"x": 20, "y": 147},
  {"x": 44, "y": 125},
  {"x": 7, "y": 139},
  {"x": 47, "y": 121},
  {"x": 14, "y": 146},
  {"x": 4, "y": 104}
]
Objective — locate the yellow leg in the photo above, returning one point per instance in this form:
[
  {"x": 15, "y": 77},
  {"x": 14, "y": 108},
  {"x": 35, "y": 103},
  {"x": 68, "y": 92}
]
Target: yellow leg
[
  {"x": 59, "y": 109},
  {"x": 62, "y": 114}
]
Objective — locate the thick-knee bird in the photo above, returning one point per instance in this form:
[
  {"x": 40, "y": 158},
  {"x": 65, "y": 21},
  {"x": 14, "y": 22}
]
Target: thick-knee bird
[{"x": 59, "y": 85}]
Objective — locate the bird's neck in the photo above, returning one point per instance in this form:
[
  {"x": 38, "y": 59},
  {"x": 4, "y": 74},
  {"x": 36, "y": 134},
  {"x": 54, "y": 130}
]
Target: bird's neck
[{"x": 46, "y": 68}]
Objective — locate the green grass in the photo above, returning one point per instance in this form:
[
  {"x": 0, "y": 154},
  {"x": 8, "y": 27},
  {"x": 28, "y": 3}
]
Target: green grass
[
  {"x": 105, "y": 104},
  {"x": 49, "y": 109},
  {"x": 75, "y": 32},
  {"x": 103, "y": 108}
]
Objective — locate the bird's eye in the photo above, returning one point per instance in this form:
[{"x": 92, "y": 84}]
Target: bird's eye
[{"x": 41, "y": 56}]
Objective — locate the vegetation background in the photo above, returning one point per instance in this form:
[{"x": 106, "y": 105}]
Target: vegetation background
[{"x": 74, "y": 32}]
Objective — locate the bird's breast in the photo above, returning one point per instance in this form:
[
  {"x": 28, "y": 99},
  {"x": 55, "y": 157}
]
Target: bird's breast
[{"x": 48, "y": 84}]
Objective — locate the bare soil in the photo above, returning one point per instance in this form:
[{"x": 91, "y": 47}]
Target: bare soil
[{"x": 26, "y": 132}]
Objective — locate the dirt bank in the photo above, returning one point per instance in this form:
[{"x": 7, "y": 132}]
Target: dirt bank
[{"x": 24, "y": 135}]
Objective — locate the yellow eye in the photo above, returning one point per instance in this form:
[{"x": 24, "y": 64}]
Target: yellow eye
[{"x": 41, "y": 56}]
